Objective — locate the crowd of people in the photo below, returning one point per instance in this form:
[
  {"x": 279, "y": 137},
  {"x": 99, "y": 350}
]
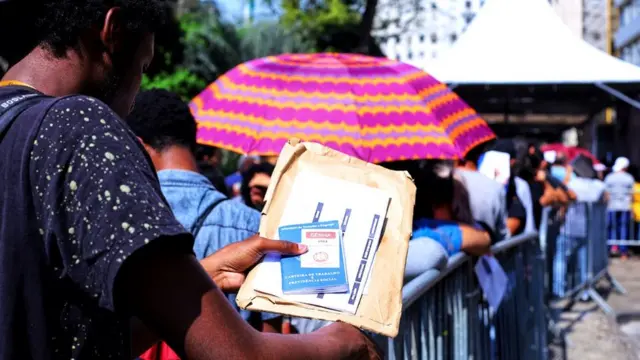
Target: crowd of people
[{"x": 118, "y": 231}]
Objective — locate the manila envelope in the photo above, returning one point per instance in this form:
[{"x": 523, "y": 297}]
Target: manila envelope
[{"x": 379, "y": 310}]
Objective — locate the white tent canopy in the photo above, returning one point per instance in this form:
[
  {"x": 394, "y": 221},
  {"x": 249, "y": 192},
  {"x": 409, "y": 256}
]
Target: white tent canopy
[{"x": 525, "y": 42}]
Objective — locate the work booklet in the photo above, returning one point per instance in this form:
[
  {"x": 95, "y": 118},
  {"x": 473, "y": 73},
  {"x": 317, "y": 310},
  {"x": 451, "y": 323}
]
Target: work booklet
[
  {"x": 321, "y": 269},
  {"x": 360, "y": 211}
]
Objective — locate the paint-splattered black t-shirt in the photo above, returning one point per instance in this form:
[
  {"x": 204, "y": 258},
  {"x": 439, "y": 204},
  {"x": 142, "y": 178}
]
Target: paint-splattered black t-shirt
[{"x": 78, "y": 196}]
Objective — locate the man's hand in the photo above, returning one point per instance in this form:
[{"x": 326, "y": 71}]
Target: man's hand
[
  {"x": 353, "y": 343},
  {"x": 228, "y": 266}
]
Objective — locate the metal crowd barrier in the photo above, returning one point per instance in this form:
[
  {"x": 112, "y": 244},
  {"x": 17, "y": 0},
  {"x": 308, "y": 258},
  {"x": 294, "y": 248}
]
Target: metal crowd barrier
[
  {"x": 622, "y": 229},
  {"x": 446, "y": 317},
  {"x": 575, "y": 246}
]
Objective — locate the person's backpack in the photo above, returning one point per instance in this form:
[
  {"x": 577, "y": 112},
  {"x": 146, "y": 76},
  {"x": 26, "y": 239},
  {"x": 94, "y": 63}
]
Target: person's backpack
[{"x": 11, "y": 109}]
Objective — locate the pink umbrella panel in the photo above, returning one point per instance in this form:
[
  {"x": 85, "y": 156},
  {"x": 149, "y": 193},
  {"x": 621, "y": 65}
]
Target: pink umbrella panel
[{"x": 372, "y": 108}]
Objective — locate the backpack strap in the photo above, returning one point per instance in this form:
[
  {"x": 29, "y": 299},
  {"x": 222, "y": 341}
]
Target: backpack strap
[
  {"x": 10, "y": 109},
  {"x": 198, "y": 225}
]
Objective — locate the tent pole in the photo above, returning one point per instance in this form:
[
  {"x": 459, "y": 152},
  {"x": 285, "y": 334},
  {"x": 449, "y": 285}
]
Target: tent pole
[
  {"x": 507, "y": 109},
  {"x": 618, "y": 94},
  {"x": 594, "y": 134}
]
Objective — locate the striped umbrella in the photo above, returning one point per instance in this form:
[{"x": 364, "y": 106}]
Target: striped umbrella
[{"x": 375, "y": 109}]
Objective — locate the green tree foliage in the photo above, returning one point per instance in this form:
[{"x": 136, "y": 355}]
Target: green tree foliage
[
  {"x": 270, "y": 38},
  {"x": 208, "y": 46},
  {"x": 182, "y": 81},
  {"x": 331, "y": 25}
]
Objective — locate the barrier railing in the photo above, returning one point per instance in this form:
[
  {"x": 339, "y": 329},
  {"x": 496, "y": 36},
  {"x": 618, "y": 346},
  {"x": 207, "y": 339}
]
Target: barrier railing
[
  {"x": 622, "y": 228},
  {"x": 575, "y": 246},
  {"x": 446, "y": 317}
]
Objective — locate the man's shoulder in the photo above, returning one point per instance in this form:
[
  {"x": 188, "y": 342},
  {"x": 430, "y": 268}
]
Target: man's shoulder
[
  {"x": 81, "y": 106},
  {"x": 522, "y": 187},
  {"x": 483, "y": 181},
  {"x": 619, "y": 176},
  {"x": 81, "y": 115},
  {"x": 229, "y": 213},
  {"x": 521, "y": 182}
]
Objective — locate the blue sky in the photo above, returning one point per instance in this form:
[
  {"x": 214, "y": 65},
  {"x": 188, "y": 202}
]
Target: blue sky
[{"x": 232, "y": 9}]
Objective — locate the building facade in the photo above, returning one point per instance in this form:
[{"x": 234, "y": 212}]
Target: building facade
[
  {"x": 420, "y": 33},
  {"x": 627, "y": 38}
]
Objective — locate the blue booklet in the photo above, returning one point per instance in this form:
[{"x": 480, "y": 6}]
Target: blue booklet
[{"x": 322, "y": 268}]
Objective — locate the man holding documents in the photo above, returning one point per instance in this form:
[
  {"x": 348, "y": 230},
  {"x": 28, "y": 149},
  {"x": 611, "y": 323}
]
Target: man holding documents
[{"x": 87, "y": 240}]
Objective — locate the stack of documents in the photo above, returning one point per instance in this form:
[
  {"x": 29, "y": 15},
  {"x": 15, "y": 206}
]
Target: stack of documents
[
  {"x": 361, "y": 211},
  {"x": 322, "y": 268}
]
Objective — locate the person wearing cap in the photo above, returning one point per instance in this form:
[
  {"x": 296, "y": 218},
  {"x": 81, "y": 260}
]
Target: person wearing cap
[
  {"x": 619, "y": 185},
  {"x": 572, "y": 241}
]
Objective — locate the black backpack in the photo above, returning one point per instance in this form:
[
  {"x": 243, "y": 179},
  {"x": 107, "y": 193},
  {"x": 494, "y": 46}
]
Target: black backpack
[{"x": 11, "y": 109}]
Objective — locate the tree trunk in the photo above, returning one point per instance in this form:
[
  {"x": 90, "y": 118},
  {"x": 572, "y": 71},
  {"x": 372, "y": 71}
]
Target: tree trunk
[{"x": 366, "y": 24}]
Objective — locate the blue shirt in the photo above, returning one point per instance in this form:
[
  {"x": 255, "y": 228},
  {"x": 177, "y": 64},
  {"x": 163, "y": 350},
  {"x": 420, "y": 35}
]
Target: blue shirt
[
  {"x": 233, "y": 179},
  {"x": 523, "y": 191},
  {"x": 79, "y": 196},
  {"x": 446, "y": 233},
  {"x": 560, "y": 172},
  {"x": 189, "y": 194}
]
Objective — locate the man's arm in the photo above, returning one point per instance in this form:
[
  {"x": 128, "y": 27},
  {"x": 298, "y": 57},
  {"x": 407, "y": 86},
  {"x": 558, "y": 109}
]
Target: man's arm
[
  {"x": 501, "y": 217},
  {"x": 475, "y": 242},
  {"x": 173, "y": 295}
]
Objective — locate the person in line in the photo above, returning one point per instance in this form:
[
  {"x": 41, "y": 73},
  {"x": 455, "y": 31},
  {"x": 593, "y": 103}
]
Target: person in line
[
  {"x": 487, "y": 197},
  {"x": 600, "y": 168},
  {"x": 87, "y": 240},
  {"x": 533, "y": 171},
  {"x": 209, "y": 160},
  {"x": 635, "y": 172},
  {"x": 167, "y": 129},
  {"x": 445, "y": 215},
  {"x": 560, "y": 169},
  {"x": 558, "y": 173},
  {"x": 518, "y": 194},
  {"x": 572, "y": 241},
  {"x": 619, "y": 185},
  {"x": 234, "y": 181},
  {"x": 255, "y": 183}
]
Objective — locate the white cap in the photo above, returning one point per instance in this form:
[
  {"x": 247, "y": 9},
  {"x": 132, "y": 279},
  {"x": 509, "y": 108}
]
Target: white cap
[
  {"x": 620, "y": 164},
  {"x": 550, "y": 156},
  {"x": 599, "y": 167}
]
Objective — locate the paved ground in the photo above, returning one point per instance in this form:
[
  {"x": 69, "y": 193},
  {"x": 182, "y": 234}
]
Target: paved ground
[{"x": 591, "y": 335}]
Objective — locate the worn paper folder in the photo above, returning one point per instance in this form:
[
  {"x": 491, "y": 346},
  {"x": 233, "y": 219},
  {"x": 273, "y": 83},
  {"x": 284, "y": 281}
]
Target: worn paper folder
[{"x": 381, "y": 305}]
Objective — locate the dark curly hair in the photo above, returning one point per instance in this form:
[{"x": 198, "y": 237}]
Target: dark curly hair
[
  {"x": 161, "y": 119},
  {"x": 58, "y": 24},
  {"x": 261, "y": 168}
]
